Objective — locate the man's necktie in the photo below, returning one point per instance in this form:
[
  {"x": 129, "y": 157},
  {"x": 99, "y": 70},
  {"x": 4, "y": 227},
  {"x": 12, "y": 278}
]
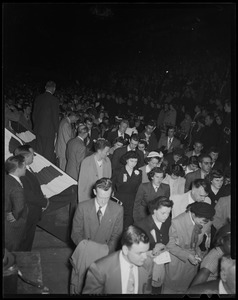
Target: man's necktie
[
  {"x": 170, "y": 142},
  {"x": 99, "y": 214},
  {"x": 131, "y": 282},
  {"x": 156, "y": 189},
  {"x": 31, "y": 170},
  {"x": 202, "y": 246}
]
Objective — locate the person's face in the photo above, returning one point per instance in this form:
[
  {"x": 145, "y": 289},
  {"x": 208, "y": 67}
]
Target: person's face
[
  {"x": 104, "y": 152},
  {"x": 207, "y": 120},
  {"x": 217, "y": 182},
  {"x": 123, "y": 127},
  {"x": 171, "y": 133},
  {"x": 206, "y": 164},
  {"x": 133, "y": 144},
  {"x": 22, "y": 170},
  {"x": 136, "y": 254},
  {"x": 149, "y": 129},
  {"x": 102, "y": 197},
  {"x": 177, "y": 157},
  {"x": 197, "y": 148},
  {"x": 214, "y": 156},
  {"x": 89, "y": 125},
  {"x": 162, "y": 213},
  {"x": 157, "y": 179},
  {"x": 218, "y": 120},
  {"x": 199, "y": 220},
  {"x": 199, "y": 194},
  {"x": 141, "y": 147},
  {"x": 153, "y": 162},
  {"x": 29, "y": 158},
  {"x": 131, "y": 162},
  {"x": 74, "y": 119},
  {"x": 193, "y": 167}
]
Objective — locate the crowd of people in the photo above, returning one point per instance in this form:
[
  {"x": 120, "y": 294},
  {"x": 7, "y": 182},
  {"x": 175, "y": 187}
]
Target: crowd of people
[{"x": 153, "y": 167}]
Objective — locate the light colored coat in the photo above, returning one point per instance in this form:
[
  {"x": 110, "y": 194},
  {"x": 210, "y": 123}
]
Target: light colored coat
[
  {"x": 89, "y": 175},
  {"x": 180, "y": 272},
  {"x": 223, "y": 212},
  {"x": 75, "y": 153}
]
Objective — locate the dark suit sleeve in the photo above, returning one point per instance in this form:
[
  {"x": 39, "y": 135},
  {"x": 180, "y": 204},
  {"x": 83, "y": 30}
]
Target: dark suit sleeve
[
  {"x": 18, "y": 202},
  {"x": 95, "y": 281},
  {"x": 78, "y": 226},
  {"x": 55, "y": 114},
  {"x": 188, "y": 182},
  {"x": 139, "y": 211},
  {"x": 115, "y": 159},
  {"x": 117, "y": 231}
]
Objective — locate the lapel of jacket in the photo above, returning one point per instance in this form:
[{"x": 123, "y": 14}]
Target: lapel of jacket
[
  {"x": 93, "y": 220},
  {"x": 114, "y": 284}
]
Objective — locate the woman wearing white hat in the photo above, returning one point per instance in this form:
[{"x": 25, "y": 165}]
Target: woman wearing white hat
[{"x": 154, "y": 159}]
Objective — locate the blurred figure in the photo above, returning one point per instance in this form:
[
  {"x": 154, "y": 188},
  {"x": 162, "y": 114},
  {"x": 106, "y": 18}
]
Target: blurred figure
[
  {"x": 94, "y": 167},
  {"x": 142, "y": 146},
  {"x": 217, "y": 188},
  {"x": 65, "y": 133},
  {"x": 93, "y": 134},
  {"x": 169, "y": 142},
  {"x": 175, "y": 180},
  {"x": 16, "y": 209},
  {"x": 45, "y": 118},
  {"x": 197, "y": 146},
  {"x": 120, "y": 132},
  {"x": 128, "y": 271},
  {"x": 117, "y": 143},
  {"x": 149, "y": 136}
]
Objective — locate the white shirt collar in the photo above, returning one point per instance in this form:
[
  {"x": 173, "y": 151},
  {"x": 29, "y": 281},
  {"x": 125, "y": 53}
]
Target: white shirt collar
[
  {"x": 190, "y": 199},
  {"x": 17, "y": 179},
  {"x": 129, "y": 149},
  {"x": 102, "y": 208},
  {"x": 154, "y": 186},
  {"x": 191, "y": 218},
  {"x": 120, "y": 134},
  {"x": 147, "y": 169},
  {"x": 80, "y": 138},
  {"x": 221, "y": 288},
  {"x": 157, "y": 223}
]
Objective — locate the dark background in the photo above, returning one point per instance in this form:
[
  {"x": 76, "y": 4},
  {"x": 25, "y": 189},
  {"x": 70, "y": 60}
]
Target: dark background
[{"x": 64, "y": 38}]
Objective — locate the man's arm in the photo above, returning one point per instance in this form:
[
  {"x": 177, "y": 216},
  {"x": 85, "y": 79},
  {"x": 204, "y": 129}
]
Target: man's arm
[
  {"x": 187, "y": 183},
  {"x": 77, "y": 234},
  {"x": 117, "y": 231},
  {"x": 95, "y": 281}
]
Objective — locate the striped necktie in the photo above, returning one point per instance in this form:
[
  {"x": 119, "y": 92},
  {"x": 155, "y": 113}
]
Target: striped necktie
[
  {"x": 131, "y": 282},
  {"x": 99, "y": 215}
]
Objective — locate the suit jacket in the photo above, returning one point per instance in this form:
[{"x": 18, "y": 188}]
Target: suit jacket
[
  {"x": 114, "y": 134},
  {"x": 88, "y": 176},
  {"x": 65, "y": 133},
  {"x": 144, "y": 195},
  {"x": 152, "y": 143},
  {"x": 181, "y": 201},
  {"x": 45, "y": 115},
  {"x": 218, "y": 166},
  {"x": 162, "y": 234},
  {"x": 208, "y": 287},
  {"x": 164, "y": 142},
  {"x": 118, "y": 153},
  {"x": 104, "y": 276},
  {"x": 75, "y": 153},
  {"x": 180, "y": 272},
  {"x": 86, "y": 226},
  {"x": 223, "y": 212},
  {"x": 190, "y": 177}
]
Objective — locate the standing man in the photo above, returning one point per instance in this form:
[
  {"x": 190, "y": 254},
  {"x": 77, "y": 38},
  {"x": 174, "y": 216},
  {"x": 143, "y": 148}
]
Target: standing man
[
  {"x": 120, "y": 132},
  {"x": 96, "y": 231},
  {"x": 76, "y": 152},
  {"x": 46, "y": 121},
  {"x": 65, "y": 133},
  {"x": 127, "y": 271},
  {"x": 169, "y": 142},
  {"x": 149, "y": 136},
  {"x": 34, "y": 197}
]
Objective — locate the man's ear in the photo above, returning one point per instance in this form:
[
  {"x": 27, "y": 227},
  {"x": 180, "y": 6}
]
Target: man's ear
[
  {"x": 223, "y": 275},
  {"x": 124, "y": 249},
  {"x": 94, "y": 191}
]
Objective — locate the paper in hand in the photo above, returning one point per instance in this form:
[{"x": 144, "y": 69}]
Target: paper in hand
[{"x": 162, "y": 258}]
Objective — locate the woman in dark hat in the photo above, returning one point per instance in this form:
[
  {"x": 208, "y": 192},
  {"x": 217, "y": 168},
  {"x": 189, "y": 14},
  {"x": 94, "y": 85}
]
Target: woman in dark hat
[
  {"x": 125, "y": 184},
  {"x": 185, "y": 235},
  {"x": 209, "y": 269}
]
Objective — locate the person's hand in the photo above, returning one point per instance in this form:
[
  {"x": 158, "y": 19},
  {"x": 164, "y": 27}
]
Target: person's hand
[
  {"x": 192, "y": 259},
  {"x": 10, "y": 217},
  {"x": 159, "y": 247}
]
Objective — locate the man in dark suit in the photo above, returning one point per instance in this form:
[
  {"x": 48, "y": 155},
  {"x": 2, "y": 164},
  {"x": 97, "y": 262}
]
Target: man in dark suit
[
  {"x": 216, "y": 164},
  {"x": 205, "y": 164},
  {"x": 169, "y": 142},
  {"x": 210, "y": 134},
  {"x": 120, "y": 132},
  {"x": 128, "y": 271},
  {"x": 149, "y": 136},
  {"x": 45, "y": 118},
  {"x": 76, "y": 152},
  {"x": 118, "y": 153},
  {"x": 225, "y": 285},
  {"x": 93, "y": 134},
  {"x": 86, "y": 224},
  {"x": 34, "y": 197}
]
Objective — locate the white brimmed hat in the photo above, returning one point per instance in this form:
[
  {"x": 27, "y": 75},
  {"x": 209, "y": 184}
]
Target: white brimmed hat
[{"x": 155, "y": 154}]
